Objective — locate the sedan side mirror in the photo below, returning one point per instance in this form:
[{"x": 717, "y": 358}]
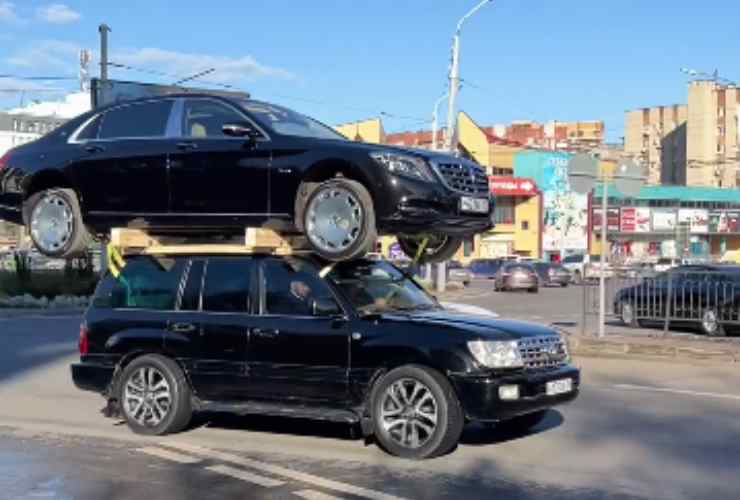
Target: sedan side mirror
[
  {"x": 240, "y": 129},
  {"x": 325, "y": 306}
]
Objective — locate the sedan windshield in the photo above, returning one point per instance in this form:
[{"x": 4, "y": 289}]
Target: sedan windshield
[
  {"x": 287, "y": 122},
  {"x": 376, "y": 286}
]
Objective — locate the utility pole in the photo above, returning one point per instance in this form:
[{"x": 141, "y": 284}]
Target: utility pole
[
  {"x": 104, "y": 29},
  {"x": 434, "y": 119}
]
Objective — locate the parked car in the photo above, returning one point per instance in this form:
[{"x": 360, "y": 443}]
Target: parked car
[
  {"x": 586, "y": 267},
  {"x": 484, "y": 268},
  {"x": 459, "y": 273},
  {"x": 666, "y": 263},
  {"x": 552, "y": 274},
  {"x": 705, "y": 297},
  {"x": 198, "y": 163},
  {"x": 355, "y": 342},
  {"x": 516, "y": 276}
]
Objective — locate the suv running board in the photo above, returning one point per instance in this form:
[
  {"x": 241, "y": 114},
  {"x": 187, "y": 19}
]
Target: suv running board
[{"x": 281, "y": 410}]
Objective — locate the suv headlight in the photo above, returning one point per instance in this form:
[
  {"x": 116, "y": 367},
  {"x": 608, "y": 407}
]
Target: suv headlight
[
  {"x": 496, "y": 354},
  {"x": 404, "y": 165}
]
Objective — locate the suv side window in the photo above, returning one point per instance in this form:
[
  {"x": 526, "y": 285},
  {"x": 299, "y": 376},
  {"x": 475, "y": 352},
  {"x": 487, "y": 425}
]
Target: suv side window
[
  {"x": 227, "y": 284},
  {"x": 143, "y": 120},
  {"x": 204, "y": 118},
  {"x": 144, "y": 283},
  {"x": 290, "y": 287}
]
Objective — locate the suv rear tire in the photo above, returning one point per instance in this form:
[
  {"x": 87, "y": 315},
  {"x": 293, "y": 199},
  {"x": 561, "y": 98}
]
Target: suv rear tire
[
  {"x": 55, "y": 224},
  {"x": 440, "y": 249},
  {"x": 339, "y": 219},
  {"x": 154, "y": 395},
  {"x": 416, "y": 413}
]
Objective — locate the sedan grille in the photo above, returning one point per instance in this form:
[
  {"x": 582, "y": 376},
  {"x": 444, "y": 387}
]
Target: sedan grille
[
  {"x": 464, "y": 178},
  {"x": 543, "y": 353}
]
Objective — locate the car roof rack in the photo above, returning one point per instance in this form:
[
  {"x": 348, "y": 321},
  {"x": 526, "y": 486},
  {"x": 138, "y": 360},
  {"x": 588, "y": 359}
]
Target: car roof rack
[{"x": 128, "y": 241}]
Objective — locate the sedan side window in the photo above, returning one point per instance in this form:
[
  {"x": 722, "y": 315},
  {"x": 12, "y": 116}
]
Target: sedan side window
[
  {"x": 204, "y": 118},
  {"x": 142, "y": 120},
  {"x": 291, "y": 287}
]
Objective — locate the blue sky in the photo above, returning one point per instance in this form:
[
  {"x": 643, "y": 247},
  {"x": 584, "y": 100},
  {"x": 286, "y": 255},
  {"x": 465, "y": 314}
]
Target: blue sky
[{"x": 341, "y": 61}]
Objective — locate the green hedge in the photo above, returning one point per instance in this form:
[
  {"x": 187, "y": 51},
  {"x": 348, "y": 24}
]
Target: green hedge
[{"x": 48, "y": 284}]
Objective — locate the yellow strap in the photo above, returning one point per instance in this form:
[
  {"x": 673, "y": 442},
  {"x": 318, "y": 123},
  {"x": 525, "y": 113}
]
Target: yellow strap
[
  {"x": 116, "y": 263},
  {"x": 421, "y": 249}
]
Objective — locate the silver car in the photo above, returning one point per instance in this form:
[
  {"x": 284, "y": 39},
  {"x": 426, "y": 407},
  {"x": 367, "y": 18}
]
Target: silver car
[
  {"x": 516, "y": 276},
  {"x": 458, "y": 272}
]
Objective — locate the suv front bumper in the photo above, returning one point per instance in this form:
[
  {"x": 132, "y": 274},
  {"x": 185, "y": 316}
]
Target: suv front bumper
[{"x": 480, "y": 399}]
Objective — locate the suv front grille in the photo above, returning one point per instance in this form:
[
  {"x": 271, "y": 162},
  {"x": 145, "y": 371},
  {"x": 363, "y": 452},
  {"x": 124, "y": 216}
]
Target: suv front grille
[
  {"x": 543, "y": 353},
  {"x": 464, "y": 178}
]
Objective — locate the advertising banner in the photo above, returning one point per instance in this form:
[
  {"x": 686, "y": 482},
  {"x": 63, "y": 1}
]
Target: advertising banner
[
  {"x": 696, "y": 219},
  {"x": 635, "y": 220},
  {"x": 612, "y": 219},
  {"x": 512, "y": 186},
  {"x": 664, "y": 220},
  {"x": 724, "y": 221}
]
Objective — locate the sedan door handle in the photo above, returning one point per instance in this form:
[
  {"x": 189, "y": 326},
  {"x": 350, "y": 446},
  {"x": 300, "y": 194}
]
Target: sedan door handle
[
  {"x": 186, "y": 145},
  {"x": 182, "y": 327},
  {"x": 94, "y": 148},
  {"x": 265, "y": 333}
]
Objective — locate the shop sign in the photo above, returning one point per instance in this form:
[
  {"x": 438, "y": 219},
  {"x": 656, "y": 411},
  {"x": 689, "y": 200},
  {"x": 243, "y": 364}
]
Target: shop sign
[
  {"x": 612, "y": 218},
  {"x": 664, "y": 220},
  {"x": 723, "y": 221},
  {"x": 696, "y": 219},
  {"x": 635, "y": 220},
  {"x": 512, "y": 186}
]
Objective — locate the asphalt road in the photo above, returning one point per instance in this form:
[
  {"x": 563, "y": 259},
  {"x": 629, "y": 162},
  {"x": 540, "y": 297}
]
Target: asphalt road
[{"x": 639, "y": 430}]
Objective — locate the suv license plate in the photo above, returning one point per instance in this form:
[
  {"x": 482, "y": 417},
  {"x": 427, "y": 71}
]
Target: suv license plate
[
  {"x": 561, "y": 386},
  {"x": 476, "y": 205}
]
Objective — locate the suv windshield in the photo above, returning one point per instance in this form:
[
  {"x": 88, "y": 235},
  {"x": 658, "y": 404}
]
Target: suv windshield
[
  {"x": 287, "y": 122},
  {"x": 375, "y": 286}
]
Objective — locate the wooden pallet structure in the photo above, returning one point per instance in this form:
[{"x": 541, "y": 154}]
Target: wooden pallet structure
[{"x": 126, "y": 241}]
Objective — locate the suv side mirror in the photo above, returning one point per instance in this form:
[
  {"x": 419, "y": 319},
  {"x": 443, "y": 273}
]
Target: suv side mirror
[
  {"x": 240, "y": 129},
  {"x": 325, "y": 306}
]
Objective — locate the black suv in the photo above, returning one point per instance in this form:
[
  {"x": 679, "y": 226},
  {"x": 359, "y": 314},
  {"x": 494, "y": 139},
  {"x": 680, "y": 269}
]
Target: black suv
[
  {"x": 197, "y": 163},
  {"x": 357, "y": 342}
]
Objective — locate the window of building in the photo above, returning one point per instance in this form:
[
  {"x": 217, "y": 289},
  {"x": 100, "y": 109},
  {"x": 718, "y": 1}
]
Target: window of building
[
  {"x": 148, "y": 119},
  {"x": 505, "y": 210},
  {"x": 144, "y": 283},
  {"x": 525, "y": 225},
  {"x": 206, "y": 118},
  {"x": 227, "y": 282},
  {"x": 291, "y": 286}
]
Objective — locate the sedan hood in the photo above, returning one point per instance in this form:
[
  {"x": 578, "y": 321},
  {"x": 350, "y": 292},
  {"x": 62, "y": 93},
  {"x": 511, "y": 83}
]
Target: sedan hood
[{"x": 485, "y": 327}]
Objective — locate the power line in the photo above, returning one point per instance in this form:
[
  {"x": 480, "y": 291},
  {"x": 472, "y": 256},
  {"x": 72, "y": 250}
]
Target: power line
[{"x": 36, "y": 78}]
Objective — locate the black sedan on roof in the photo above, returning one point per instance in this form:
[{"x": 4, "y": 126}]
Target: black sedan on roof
[{"x": 198, "y": 163}]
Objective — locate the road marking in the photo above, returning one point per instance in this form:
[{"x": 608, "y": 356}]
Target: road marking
[
  {"x": 169, "y": 455},
  {"x": 243, "y": 475},
  {"x": 684, "y": 392},
  {"x": 314, "y": 495},
  {"x": 282, "y": 471}
]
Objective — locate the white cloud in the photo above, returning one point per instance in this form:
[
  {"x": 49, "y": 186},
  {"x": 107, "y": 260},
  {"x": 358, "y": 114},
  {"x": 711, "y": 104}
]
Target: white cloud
[
  {"x": 57, "y": 13},
  {"x": 231, "y": 70},
  {"x": 51, "y": 54},
  {"x": 7, "y": 12}
]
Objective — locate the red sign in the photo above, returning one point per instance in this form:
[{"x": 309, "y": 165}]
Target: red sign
[{"x": 512, "y": 186}]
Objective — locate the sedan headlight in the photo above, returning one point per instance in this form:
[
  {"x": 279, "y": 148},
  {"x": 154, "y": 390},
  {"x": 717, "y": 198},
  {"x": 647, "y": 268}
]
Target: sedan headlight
[
  {"x": 496, "y": 354},
  {"x": 404, "y": 165}
]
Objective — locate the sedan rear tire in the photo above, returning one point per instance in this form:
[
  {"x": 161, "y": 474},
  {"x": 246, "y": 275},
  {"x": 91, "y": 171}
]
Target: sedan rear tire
[{"x": 440, "y": 247}]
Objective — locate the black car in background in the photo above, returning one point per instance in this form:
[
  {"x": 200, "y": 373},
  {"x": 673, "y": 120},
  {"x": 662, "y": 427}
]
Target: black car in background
[
  {"x": 356, "y": 342},
  {"x": 552, "y": 274},
  {"x": 705, "y": 297},
  {"x": 198, "y": 163},
  {"x": 484, "y": 268}
]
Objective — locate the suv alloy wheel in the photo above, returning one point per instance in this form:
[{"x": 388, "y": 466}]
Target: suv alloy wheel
[
  {"x": 710, "y": 324},
  {"x": 627, "y": 314},
  {"x": 339, "y": 220},
  {"x": 416, "y": 413},
  {"x": 155, "y": 396}
]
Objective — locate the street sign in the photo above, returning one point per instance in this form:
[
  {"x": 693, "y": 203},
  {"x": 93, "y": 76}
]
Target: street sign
[
  {"x": 629, "y": 178},
  {"x": 583, "y": 170}
]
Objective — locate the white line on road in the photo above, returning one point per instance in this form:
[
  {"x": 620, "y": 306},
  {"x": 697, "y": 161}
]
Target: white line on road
[
  {"x": 314, "y": 495},
  {"x": 684, "y": 392},
  {"x": 243, "y": 475},
  {"x": 169, "y": 455},
  {"x": 282, "y": 471}
]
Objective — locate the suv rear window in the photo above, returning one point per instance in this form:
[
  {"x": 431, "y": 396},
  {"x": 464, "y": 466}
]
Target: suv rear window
[{"x": 144, "y": 283}]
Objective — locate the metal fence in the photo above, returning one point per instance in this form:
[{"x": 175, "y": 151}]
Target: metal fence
[{"x": 708, "y": 300}]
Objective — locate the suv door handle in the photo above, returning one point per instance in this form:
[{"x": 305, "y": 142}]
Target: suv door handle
[
  {"x": 266, "y": 332},
  {"x": 182, "y": 327},
  {"x": 186, "y": 145}
]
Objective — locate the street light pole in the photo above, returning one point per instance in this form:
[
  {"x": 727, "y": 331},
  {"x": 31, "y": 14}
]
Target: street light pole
[
  {"x": 455, "y": 80},
  {"x": 434, "y": 119},
  {"x": 602, "y": 278}
]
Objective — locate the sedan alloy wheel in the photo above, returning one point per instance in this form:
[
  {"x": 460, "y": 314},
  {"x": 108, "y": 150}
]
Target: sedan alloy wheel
[{"x": 52, "y": 223}]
